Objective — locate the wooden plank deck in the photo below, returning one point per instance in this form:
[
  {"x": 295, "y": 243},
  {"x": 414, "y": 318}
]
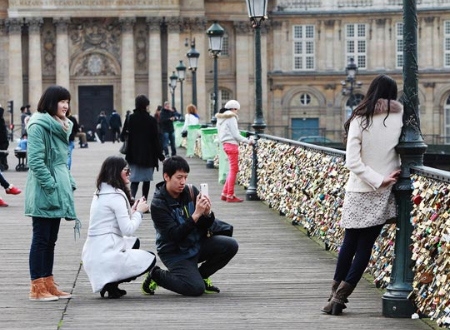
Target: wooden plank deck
[{"x": 278, "y": 280}]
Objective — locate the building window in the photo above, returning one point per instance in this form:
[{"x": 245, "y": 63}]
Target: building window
[
  {"x": 399, "y": 45},
  {"x": 447, "y": 121},
  {"x": 304, "y": 47},
  {"x": 447, "y": 44},
  {"x": 356, "y": 44},
  {"x": 222, "y": 98},
  {"x": 225, "y": 45},
  {"x": 305, "y": 99}
]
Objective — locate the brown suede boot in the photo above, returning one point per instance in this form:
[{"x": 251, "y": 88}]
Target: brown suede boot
[
  {"x": 342, "y": 293},
  {"x": 53, "y": 289},
  {"x": 328, "y": 307},
  {"x": 38, "y": 291}
]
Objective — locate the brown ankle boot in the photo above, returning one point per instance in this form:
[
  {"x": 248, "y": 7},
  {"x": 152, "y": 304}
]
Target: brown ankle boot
[
  {"x": 53, "y": 289},
  {"x": 328, "y": 307},
  {"x": 342, "y": 293},
  {"x": 38, "y": 291}
]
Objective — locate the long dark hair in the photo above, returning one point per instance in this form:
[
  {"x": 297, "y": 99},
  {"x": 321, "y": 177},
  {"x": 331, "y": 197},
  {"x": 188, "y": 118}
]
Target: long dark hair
[
  {"x": 382, "y": 87},
  {"x": 111, "y": 172},
  {"x": 49, "y": 100}
]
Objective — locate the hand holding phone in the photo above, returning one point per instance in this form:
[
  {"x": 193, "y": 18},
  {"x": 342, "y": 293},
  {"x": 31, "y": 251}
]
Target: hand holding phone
[{"x": 204, "y": 189}]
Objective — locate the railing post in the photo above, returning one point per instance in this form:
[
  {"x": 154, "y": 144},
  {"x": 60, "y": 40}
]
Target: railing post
[
  {"x": 251, "y": 194},
  {"x": 411, "y": 149}
]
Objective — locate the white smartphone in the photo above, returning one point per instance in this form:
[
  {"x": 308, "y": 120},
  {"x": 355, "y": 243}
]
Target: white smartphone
[{"x": 204, "y": 189}]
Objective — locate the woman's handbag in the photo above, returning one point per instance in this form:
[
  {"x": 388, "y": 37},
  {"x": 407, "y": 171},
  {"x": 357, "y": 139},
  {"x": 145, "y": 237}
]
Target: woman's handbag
[
  {"x": 184, "y": 134},
  {"x": 124, "y": 147}
]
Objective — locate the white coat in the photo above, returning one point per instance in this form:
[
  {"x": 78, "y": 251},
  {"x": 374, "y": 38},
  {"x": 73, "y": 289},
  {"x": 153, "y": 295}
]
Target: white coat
[{"x": 107, "y": 255}]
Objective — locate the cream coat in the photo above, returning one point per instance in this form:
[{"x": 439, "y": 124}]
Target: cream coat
[
  {"x": 370, "y": 153},
  {"x": 107, "y": 255}
]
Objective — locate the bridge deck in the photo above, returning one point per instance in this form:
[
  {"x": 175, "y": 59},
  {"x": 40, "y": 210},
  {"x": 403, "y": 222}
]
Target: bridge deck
[{"x": 278, "y": 280}]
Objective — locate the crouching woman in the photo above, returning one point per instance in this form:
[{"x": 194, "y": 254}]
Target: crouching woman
[{"x": 110, "y": 254}]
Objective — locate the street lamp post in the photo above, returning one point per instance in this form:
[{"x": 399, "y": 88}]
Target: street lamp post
[
  {"x": 351, "y": 70},
  {"x": 193, "y": 56},
  {"x": 215, "y": 34},
  {"x": 173, "y": 84},
  {"x": 411, "y": 149},
  {"x": 257, "y": 11},
  {"x": 181, "y": 71}
]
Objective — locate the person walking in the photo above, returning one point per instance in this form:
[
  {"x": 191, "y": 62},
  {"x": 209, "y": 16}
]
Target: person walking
[
  {"x": 49, "y": 188},
  {"x": 9, "y": 189},
  {"x": 181, "y": 218},
  {"x": 110, "y": 254},
  {"x": 168, "y": 116},
  {"x": 230, "y": 137},
  {"x": 115, "y": 123},
  {"x": 144, "y": 148},
  {"x": 372, "y": 133},
  {"x": 102, "y": 126}
]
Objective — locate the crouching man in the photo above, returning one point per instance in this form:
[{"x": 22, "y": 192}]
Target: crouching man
[{"x": 181, "y": 217}]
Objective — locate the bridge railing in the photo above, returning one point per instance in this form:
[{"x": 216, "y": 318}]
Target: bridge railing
[{"x": 306, "y": 183}]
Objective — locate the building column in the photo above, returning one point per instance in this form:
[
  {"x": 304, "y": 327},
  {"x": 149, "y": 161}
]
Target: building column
[
  {"x": 380, "y": 46},
  {"x": 34, "y": 61},
  {"x": 128, "y": 93},
  {"x": 201, "y": 43},
  {"x": 155, "y": 62},
  {"x": 173, "y": 47},
  {"x": 427, "y": 39},
  {"x": 264, "y": 67},
  {"x": 245, "y": 91},
  {"x": 15, "y": 73},
  {"x": 328, "y": 44},
  {"x": 62, "y": 52}
]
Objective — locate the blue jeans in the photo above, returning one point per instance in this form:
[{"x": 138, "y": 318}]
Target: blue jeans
[
  {"x": 185, "y": 277},
  {"x": 45, "y": 235},
  {"x": 169, "y": 137},
  {"x": 69, "y": 159},
  {"x": 355, "y": 253}
]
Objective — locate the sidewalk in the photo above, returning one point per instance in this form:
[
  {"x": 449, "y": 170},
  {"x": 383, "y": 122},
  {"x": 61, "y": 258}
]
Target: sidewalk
[{"x": 278, "y": 280}]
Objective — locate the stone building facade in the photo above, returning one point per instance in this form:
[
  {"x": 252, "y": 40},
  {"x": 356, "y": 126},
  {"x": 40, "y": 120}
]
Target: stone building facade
[{"x": 108, "y": 51}]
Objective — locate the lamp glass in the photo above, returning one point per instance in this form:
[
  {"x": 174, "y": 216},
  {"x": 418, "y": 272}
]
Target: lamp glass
[
  {"x": 215, "y": 34},
  {"x": 181, "y": 71},
  {"x": 193, "y": 56},
  {"x": 257, "y": 8},
  {"x": 173, "y": 80}
]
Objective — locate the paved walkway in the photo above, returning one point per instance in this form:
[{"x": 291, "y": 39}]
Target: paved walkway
[{"x": 278, "y": 280}]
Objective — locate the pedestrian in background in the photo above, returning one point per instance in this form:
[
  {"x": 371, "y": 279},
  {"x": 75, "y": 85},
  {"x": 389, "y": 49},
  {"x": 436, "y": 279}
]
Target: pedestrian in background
[
  {"x": 111, "y": 254},
  {"x": 230, "y": 137},
  {"x": 115, "y": 123},
  {"x": 102, "y": 126},
  {"x": 168, "y": 116},
  {"x": 49, "y": 188},
  {"x": 191, "y": 117},
  {"x": 372, "y": 133},
  {"x": 144, "y": 148}
]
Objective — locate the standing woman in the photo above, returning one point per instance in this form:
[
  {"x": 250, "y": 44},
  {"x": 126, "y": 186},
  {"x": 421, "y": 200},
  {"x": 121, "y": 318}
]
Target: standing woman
[
  {"x": 110, "y": 255},
  {"x": 144, "y": 148},
  {"x": 49, "y": 187},
  {"x": 230, "y": 137},
  {"x": 191, "y": 117},
  {"x": 372, "y": 131}
]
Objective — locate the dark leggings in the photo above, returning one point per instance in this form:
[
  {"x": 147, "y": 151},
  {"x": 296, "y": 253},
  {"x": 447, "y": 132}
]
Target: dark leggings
[
  {"x": 355, "y": 253},
  {"x": 145, "y": 189},
  {"x": 3, "y": 181}
]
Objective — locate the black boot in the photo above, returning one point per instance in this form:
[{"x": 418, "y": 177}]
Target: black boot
[
  {"x": 338, "y": 301},
  {"x": 113, "y": 291}
]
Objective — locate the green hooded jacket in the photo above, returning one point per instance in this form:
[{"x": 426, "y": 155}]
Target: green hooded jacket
[{"x": 49, "y": 188}]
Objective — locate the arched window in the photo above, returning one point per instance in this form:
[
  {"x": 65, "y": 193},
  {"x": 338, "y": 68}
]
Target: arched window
[
  {"x": 351, "y": 104},
  {"x": 447, "y": 121},
  {"x": 223, "y": 97}
]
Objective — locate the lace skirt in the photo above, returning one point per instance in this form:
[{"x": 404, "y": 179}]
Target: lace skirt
[{"x": 368, "y": 209}]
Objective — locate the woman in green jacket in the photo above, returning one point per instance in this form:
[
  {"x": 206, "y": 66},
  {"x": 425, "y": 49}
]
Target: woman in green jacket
[{"x": 49, "y": 187}]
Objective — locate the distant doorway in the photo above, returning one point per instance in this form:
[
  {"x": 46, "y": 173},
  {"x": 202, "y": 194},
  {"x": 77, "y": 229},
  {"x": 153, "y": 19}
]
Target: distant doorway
[
  {"x": 92, "y": 100},
  {"x": 302, "y": 127}
]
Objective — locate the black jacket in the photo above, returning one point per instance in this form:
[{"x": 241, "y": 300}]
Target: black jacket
[
  {"x": 178, "y": 237},
  {"x": 165, "y": 122},
  {"x": 144, "y": 148}
]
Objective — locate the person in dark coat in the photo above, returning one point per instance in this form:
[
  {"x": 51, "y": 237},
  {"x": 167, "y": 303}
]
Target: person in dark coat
[
  {"x": 115, "y": 123},
  {"x": 102, "y": 126},
  {"x": 144, "y": 149}
]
